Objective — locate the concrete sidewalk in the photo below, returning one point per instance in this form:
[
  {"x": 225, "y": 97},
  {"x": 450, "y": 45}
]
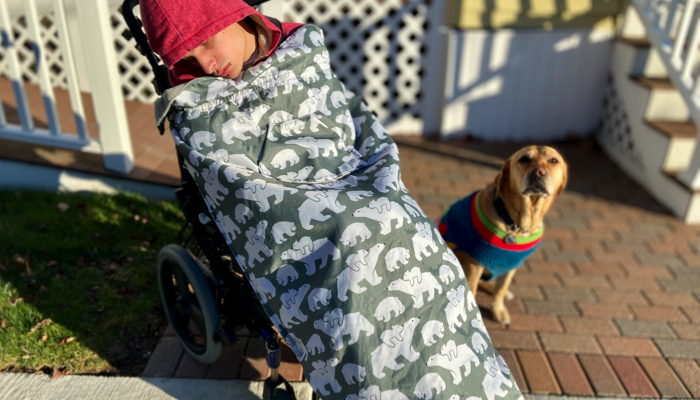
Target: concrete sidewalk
[{"x": 15, "y": 386}]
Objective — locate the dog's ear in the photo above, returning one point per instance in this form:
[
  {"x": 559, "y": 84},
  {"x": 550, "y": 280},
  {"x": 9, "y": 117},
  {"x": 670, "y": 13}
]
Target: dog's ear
[
  {"x": 503, "y": 177},
  {"x": 564, "y": 179}
]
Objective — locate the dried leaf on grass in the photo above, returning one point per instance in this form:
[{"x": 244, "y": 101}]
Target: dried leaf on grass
[
  {"x": 17, "y": 258},
  {"x": 43, "y": 338},
  {"x": 40, "y": 325},
  {"x": 64, "y": 341},
  {"x": 3, "y": 324}
]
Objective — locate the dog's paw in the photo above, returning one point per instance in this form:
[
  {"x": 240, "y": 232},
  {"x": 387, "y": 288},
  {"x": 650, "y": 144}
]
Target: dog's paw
[{"x": 502, "y": 316}]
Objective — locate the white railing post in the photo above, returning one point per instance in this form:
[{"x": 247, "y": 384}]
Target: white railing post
[
  {"x": 98, "y": 44},
  {"x": 436, "y": 65}
]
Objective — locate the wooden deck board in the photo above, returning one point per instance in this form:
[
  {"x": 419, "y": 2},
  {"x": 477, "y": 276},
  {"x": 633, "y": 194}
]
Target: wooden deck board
[{"x": 155, "y": 160}]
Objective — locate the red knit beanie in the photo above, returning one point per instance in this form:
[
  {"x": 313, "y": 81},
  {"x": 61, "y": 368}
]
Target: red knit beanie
[{"x": 174, "y": 27}]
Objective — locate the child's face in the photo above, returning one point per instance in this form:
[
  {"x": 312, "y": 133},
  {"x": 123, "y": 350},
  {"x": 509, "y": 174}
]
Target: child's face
[{"x": 224, "y": 53}]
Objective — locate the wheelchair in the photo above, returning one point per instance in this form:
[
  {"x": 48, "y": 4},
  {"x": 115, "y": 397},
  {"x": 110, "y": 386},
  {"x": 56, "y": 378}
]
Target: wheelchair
[{"x": 204, "y": 295}]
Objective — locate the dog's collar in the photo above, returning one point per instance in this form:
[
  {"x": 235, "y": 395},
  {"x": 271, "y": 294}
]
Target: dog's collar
[{"x": 503, "y": 213}]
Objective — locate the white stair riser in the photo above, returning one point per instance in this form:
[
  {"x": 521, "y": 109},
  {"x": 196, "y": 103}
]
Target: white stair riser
[
  {"x": 648, "y": 63},
  {"x": 632, "y": 26},
  {"x": 692, "y": 216},
  {"x": 666, "y": 105},
  {"x": 679, "y": 154}
]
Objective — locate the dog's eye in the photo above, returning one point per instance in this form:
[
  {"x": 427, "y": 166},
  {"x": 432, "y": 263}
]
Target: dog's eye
[
  {"x": 524, "y": 159},
  {"x": 554, "y": 161}
]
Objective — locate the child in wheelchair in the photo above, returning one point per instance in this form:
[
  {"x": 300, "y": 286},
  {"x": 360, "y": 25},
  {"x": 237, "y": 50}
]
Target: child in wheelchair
[{"x": 300, "y": 186}]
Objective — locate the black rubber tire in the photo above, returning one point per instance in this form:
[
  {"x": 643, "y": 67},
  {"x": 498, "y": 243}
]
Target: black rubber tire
[{"x": 187, "y": 297}]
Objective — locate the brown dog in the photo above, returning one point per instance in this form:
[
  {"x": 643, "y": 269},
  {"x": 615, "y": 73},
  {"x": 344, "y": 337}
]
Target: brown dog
[{"x": 495, "y": 229}]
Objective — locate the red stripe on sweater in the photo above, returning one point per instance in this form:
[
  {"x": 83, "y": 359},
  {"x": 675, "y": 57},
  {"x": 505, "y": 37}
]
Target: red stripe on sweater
[{"x": 494, "y": 239}]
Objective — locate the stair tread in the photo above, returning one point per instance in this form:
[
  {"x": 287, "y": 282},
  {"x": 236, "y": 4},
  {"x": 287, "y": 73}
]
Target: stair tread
[
  {"x": 637, "y": 42},
  {"x": 675, "y": 129},
  {"x": 653, "y": 83}
]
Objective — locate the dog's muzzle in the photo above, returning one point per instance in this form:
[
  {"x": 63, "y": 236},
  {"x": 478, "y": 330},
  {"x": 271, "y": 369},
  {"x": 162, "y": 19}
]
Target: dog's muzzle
[{"x": 537, "y": 183}]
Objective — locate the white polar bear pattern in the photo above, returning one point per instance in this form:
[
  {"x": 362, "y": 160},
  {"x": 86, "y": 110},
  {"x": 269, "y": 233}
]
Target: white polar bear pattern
[
  {"x": 230, "y": 229},
  {"x": 431, "y": 329},
  {"x": 478, "y": 343},
  {"x": 416, "y": 285},
  {"x": 446, "y": 274},
  {"x": 383, "y": 211},
  {"x": 315, "y": 345},
  {"x": 321, "y": 295},
  {"x": 361, "y": 267},
  {"x": 286, "y": 274},
  {"x": 386, "y": 306},
  {"x": 255, "y": 246},
  {"x": 317, "y": 202},
  {"x": 452, "y": 358},
  {"x": 352, "y": 232},
  {"x": 455, "y": 308},
  {"x": 282, "y": 228},
  {"x": 423, "y": 240},
  {"x": 320, "y": 249},
  {"x": 494, "y": 379},
  {"x": 426, "y": 384},
  {"x": 242, "y": 214},
  {"x": 290, "y": 313},
  {"x": 283, "y": 157},
  {"x": 397, "y": 343},
  {"x": 395, "y": 257},
  {"x": 353, "y": 373},
  {"x": 352, "y": 324},
  {"x": 323, "y": 375}
]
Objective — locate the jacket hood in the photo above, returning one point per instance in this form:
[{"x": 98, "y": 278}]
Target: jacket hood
[{"x": 174, "y": 27}]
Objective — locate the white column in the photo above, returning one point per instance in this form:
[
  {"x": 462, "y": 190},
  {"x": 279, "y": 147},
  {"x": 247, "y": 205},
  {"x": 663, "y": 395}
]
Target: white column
[
  {"x": 433, "y": 85},
  {"x": 105, "y": 83}
]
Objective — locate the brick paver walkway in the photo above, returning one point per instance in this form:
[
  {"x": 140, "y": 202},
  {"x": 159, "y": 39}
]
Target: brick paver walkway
[{"x": 609, "y": 305}]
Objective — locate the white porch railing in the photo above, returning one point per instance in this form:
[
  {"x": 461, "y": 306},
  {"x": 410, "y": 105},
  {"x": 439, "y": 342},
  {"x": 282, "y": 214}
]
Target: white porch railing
[
  {"x": 96, "y": 40},
  {"x": 673, "y": 28}
]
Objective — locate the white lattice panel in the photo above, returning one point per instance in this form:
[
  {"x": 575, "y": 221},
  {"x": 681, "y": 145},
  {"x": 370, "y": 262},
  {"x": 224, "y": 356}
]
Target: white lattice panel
[
  {"x": 134, "y": 69},
  {"x": 51, "y": 48},
  {"x": 376, "y": 49},
  {"x": 375, "y": 46}
]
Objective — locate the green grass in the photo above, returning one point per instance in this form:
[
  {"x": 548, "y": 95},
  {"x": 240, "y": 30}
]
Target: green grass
[{"x": 90, "y": 269}]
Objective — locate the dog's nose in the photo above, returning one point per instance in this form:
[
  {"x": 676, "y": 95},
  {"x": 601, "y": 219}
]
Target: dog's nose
[{"x": 538, "y": 172}]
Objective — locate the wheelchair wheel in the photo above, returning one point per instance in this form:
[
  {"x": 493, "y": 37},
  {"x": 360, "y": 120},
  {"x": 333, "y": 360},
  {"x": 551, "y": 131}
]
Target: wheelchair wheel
[{"x": 189, "y": 303}]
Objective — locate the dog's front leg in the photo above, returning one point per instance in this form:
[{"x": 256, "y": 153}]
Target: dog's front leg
[
  {"x": 500, "y": 294},
  {"x": 472, "y": 270}
]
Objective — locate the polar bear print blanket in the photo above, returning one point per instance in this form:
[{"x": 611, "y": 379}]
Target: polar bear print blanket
[{"x": 305, "y": 185}]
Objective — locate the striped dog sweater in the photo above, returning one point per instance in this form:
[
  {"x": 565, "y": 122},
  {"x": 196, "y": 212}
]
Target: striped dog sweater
[{"x": 465, "y": 228}]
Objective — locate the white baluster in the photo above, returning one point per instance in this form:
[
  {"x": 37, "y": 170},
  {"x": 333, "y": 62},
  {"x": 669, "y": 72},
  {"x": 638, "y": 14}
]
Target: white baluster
[
  {"x": 682, "y": 34},
  {"x": 8, "y": 43},
  {"x": 42, "y": 70},
  {"x": 69, "y": 68}
]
